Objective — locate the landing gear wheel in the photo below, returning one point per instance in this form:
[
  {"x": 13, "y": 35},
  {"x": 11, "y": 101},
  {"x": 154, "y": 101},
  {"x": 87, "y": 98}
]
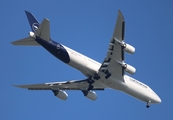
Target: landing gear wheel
[
  {"x": 147, "y": 106},
  {"x": 90, "y": 87}
]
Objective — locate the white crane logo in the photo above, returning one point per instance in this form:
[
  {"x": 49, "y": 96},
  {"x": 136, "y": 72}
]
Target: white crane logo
[{"x": 35, "y": 26}]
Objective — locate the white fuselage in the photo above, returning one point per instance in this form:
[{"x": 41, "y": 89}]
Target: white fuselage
[{"x": 129, "y": 85}]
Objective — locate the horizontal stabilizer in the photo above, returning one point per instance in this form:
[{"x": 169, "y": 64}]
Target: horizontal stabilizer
[
  {"x": 26, "y": 41},
  {"x": 43, "y": 31}
]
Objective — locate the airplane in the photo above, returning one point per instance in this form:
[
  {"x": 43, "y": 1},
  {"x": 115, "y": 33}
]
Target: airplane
[{"x": 112, "y": 73}]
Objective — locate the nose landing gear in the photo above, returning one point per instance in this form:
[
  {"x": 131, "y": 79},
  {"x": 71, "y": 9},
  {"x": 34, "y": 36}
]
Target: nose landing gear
[{"x": 148, "y": 104}]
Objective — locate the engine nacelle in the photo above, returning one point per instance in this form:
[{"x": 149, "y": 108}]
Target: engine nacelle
[
  {"x": 128, "y": 48},
  {"x": 31, "y": 34},
  {"x": 61, "y": 95},
  {"x": 91, "y": 95},
  {"x": 129, "y": 69}
]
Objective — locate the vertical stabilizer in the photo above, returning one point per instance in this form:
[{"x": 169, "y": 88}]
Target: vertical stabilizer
[
  {"x": 39, "y": 30},
  {"x": 32, "y": 21}
]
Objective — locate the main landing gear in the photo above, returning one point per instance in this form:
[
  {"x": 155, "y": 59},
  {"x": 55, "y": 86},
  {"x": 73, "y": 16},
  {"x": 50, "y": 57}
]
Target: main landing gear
[
  {"x": 96, "y": 76},
  {"x": 148, "y": 104},
  {"x": 91, "y": 80}
]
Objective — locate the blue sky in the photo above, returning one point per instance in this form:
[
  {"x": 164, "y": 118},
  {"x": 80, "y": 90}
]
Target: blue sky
[{"x": 85, "y": 26}]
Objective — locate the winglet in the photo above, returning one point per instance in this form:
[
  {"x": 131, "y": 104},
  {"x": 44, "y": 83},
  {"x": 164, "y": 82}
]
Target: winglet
[{"x": 32, "y": 21}]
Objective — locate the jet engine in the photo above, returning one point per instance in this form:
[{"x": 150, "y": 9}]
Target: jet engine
[
  {"x": 31, "y": 34},
  {"x": 90, "y": 94},
  {"x": 129, "y": 69},
  {"x": 61, "y": 94},
  {"x": 128, "y": 48}
]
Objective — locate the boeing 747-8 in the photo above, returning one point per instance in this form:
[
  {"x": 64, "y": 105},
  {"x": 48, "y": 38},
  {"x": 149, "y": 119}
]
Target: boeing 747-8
[{"x": 111, "y": 73}]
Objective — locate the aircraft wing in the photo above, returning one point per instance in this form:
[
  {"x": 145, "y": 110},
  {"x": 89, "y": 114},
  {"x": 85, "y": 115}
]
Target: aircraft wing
[
  {"x": 66, "y": 85},
  {"x": 115, "y": 53}
]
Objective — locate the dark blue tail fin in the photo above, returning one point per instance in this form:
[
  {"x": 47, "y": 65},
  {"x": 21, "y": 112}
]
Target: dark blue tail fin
[{"x": 32, "y": 20}]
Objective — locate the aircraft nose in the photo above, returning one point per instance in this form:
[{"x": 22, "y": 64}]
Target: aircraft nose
[{"x": 158, "y": 100}]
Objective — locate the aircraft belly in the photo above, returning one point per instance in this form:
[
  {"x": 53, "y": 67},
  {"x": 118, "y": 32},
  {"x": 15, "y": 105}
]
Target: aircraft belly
[
  {"x": 128, "y": 87},
  {"x": 79, "y": 62},
  {"x": 112, "y": 83},
  {"x": 137, "y": 91}
]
